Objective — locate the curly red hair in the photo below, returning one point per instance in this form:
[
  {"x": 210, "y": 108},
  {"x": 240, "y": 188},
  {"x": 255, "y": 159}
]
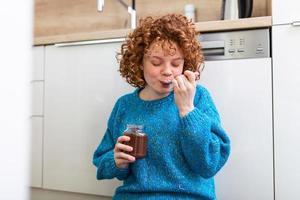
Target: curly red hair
[{"x": 168, "y": 28}]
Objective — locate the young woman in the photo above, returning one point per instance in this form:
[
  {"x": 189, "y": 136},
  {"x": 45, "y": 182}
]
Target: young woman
[{"x": 187, "y": 145}]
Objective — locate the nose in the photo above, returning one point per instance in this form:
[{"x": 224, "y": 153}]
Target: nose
[{"x": 166, "y": 70}]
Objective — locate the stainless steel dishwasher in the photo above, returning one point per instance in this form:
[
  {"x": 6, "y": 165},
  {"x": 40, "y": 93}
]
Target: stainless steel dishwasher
[{"x": 238, "y": 75}]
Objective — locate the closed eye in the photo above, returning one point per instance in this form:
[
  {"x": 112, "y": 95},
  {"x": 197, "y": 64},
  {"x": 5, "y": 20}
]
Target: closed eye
[
  {"x": 176, "y": 64},
  {"x": 156, "y": 63}
]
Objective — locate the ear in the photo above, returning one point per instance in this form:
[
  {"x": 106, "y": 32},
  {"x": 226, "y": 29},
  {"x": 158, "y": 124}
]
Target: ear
[{"x": 142, "y": 67}]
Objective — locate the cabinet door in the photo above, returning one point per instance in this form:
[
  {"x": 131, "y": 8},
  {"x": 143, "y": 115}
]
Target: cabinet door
[
  {"x": 82, "y": 83},
  {"x": 242, "y": 92},
  {"x": 286, "y": 11},
  {"x": 37, "y": 94},
  {"x": 286, "y": 69}
]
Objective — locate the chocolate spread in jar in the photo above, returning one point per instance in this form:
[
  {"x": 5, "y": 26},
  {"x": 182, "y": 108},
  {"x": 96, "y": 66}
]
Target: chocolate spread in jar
[{"x": 138, "y": 141}]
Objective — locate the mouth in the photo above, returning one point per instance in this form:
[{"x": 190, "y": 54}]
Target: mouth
[{"x": 166, "y": 83}]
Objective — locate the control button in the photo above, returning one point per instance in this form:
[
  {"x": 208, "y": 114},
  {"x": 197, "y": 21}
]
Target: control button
[
  {"x": 242, "y": 41},
  {"x": 259, "y": 52},
  {"x": 231, "y": 50},
  {"x": 240, "y": 50},
  {"x": 259, "y": 49}
]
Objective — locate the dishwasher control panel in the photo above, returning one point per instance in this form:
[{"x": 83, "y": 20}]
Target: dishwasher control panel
[{"x": 236, "y": 44}]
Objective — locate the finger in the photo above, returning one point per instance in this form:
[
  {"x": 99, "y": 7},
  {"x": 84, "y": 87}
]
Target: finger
[
  {"x": 123, "y": 161},
  {"x": 190, "y": 76},
  {"x": 175, "y": 84},
  {"x": 197, "y": 75},
  {"x": 187, "y": 83},
  {"x": 122, "y": 155},
  {"x": 120, "y": 147},
  {"x": 123, "y": 138},
  {"x": 180, "y": 82}
]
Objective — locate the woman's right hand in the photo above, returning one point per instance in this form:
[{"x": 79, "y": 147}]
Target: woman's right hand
[{"x": 123, "y": 159}]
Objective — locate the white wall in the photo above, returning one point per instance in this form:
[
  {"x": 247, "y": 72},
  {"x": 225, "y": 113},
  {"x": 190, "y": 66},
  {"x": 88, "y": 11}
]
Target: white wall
[
  {"x": 41, "y": 194},
  {"x": 15, "y": 50}
]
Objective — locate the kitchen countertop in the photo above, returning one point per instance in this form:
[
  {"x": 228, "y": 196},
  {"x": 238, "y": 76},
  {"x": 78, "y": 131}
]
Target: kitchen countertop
[{"x": 209, "y": 26}]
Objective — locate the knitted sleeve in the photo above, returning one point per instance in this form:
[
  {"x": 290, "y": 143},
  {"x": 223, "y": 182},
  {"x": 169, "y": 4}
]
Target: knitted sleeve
[
  {"x": 103, "y": 157},
  {"x": 204, "y": 142}
]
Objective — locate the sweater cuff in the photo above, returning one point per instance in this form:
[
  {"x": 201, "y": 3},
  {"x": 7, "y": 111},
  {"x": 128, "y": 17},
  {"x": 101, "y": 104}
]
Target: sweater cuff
[
  {"x": 195, "y": 121},
  {"x": 119, "y": 173}
]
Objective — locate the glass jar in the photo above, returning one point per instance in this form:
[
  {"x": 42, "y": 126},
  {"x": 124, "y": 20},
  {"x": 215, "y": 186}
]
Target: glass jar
[{"x": 138, "y": 140}]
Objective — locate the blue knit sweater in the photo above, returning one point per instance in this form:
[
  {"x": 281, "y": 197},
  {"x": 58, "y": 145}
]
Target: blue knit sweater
[{"x": 183, "y": 154}]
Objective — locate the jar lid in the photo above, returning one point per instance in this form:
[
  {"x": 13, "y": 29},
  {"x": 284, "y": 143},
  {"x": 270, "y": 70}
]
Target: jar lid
[{"x": 135, "y": 126}]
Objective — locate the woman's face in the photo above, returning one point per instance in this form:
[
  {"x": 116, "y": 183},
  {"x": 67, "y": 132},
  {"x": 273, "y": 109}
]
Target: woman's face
[{"x": 160, "y": 67}]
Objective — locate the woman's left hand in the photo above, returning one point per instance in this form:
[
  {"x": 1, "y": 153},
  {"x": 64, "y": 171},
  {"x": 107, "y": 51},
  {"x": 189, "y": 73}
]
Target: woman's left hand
[{"x": 184, "y": 91}]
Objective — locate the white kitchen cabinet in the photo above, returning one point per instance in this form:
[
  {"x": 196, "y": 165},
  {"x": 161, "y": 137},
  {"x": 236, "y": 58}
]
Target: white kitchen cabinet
[
  {"x": 242, "y": 92},
  {"x": 81, "y": 86},
  {"x": 37, "y": 93},
  {"x": 286, "y": 73},
  {"x": 37, "y": 103},
  {"x": 36, "y": 160},
  {"x": 38, "y": 63},
  {"x": 37, "y": 81},
  {"x": 286, "y": 11}
]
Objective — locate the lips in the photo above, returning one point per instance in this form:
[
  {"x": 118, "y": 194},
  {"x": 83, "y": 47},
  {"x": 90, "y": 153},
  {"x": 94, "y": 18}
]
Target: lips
[{"x": 167, "y": 81}]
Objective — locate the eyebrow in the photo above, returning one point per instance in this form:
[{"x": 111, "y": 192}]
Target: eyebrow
[{"x": 157, "y": 57}]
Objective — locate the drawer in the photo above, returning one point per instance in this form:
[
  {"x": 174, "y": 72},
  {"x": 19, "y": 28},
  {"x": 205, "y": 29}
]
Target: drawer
[
  {"x": 37, "y": 101},
  {"x": 37, "y": 72}
]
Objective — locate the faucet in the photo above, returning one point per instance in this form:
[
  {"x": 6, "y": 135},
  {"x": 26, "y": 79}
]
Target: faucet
[{"x": 131, "y": 10}]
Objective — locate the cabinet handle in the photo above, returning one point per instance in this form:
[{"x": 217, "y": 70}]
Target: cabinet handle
[
  {"x": 34, "y": 81},
  {"x": 34, "y": 116},
  {"x": 296, "y": 23},
  {"x": 66, "y": 44}
]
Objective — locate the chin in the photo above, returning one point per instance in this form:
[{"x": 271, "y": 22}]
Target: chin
[{"x": 165, "y": 91}]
